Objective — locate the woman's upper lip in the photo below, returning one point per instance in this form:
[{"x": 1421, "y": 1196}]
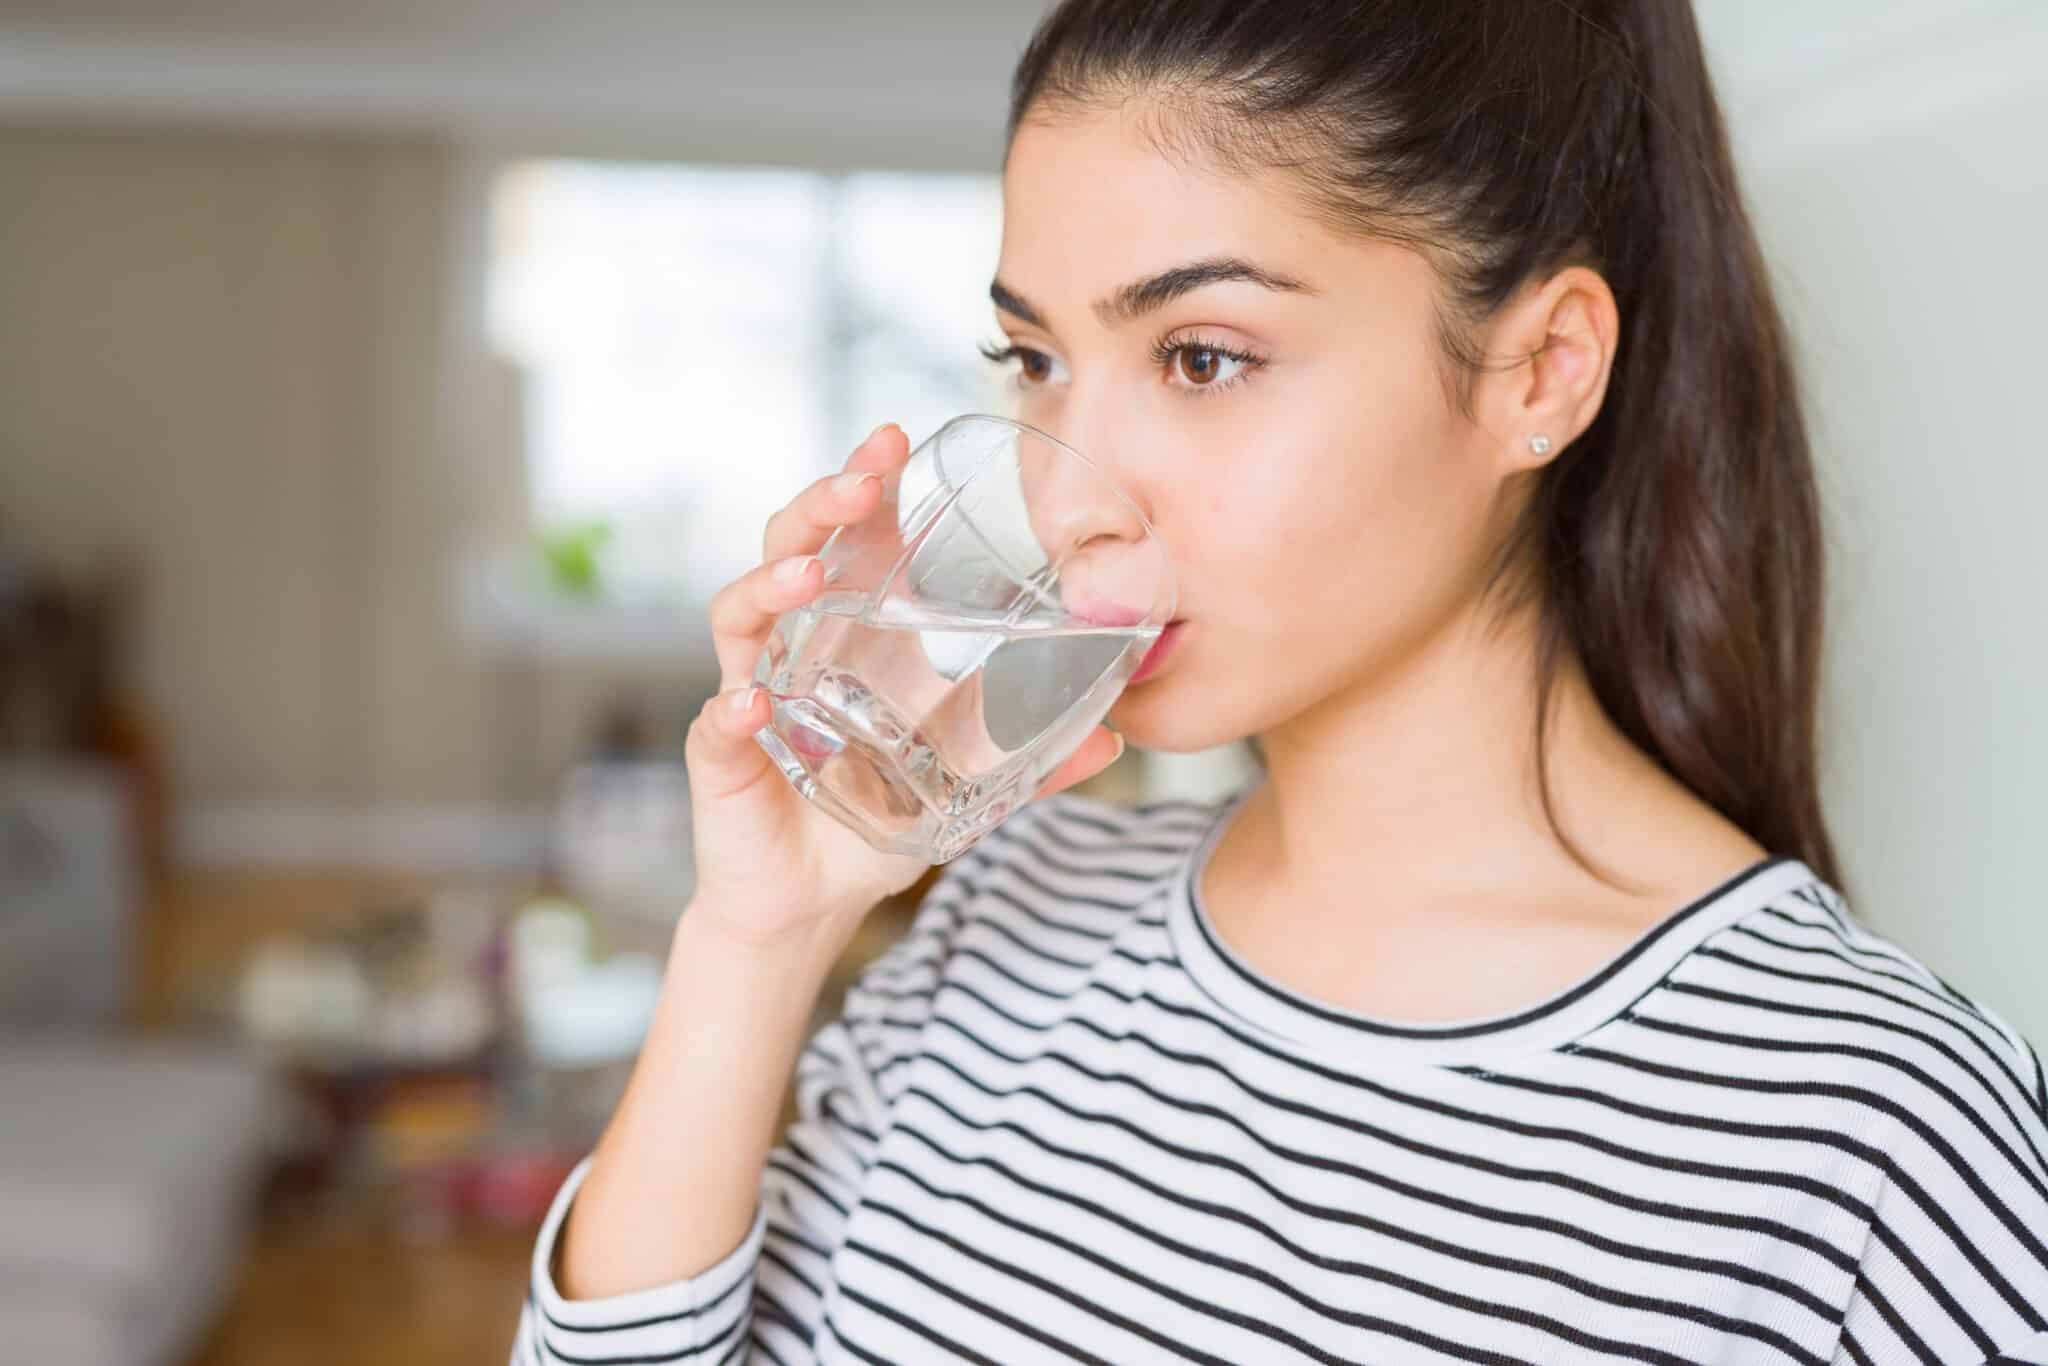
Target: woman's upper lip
[{"x": 1108, "y": 614}]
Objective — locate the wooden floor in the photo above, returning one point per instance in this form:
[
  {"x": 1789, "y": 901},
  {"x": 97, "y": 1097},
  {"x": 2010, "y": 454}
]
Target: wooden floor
[{"x": 306, "y": 1300}]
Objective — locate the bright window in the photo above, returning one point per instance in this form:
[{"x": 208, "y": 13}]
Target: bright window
[{"x": 699, "y": 342}]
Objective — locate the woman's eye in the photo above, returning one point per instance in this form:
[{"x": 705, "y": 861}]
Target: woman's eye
[
  {"x": 1200, "y": 367},
  {"x": 1033, "y": 367}
]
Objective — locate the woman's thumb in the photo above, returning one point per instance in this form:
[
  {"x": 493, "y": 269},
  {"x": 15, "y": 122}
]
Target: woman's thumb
[{"x": 1101, "y": 749}]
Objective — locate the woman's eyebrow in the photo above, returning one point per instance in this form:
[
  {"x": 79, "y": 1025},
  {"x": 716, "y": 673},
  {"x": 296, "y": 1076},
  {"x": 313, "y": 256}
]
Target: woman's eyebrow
[{"x": 1154, "y": 292}]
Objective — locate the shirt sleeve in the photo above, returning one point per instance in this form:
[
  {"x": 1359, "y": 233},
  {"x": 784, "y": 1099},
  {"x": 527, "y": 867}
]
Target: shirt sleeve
[
  {"x": 1955, "y": 1268},
  {"x": 765, "y": 1299}
]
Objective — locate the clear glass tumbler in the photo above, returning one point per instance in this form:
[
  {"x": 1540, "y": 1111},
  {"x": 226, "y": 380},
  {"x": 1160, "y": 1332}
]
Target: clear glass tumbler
[{"x": 972, "y": 632}]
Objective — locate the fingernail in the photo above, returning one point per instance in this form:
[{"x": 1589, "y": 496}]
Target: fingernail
[
  {"x": 743, "y": 701},
  {"x": 878, "y": 431},
  {"x": 850, "y": 483},
  {"x": 1119, "y": 747},
  {"x": 792, "y": 569}
]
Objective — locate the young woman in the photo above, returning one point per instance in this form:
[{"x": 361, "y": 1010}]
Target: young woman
[{"x": 1515, "y": 1013}]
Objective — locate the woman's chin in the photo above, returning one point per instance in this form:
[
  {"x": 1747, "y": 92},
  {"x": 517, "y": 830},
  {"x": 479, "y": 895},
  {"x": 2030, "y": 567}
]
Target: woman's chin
[
  {"x": 1160, "y": 713},
  {"x": 1128, "y": 715}
]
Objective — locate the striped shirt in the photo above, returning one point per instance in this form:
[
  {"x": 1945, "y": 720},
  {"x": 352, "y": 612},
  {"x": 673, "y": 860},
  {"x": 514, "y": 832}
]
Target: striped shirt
[{"x": 1062, "y": 1121}]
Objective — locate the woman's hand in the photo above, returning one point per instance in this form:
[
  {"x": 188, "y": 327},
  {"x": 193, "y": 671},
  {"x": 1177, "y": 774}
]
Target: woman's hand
[
  {"x": 781, "y": 886},
  {"x": 769, "y": 864}
]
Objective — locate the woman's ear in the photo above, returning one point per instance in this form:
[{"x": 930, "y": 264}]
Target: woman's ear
[{"x": 1557, "y": 341}]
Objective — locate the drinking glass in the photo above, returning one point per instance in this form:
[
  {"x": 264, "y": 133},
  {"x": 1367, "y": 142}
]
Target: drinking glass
[{"x": 971, "y": 632}]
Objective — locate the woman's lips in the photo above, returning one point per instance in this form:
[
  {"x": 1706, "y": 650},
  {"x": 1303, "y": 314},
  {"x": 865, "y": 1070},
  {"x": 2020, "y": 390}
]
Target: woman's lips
[
  {"x": 1161, "y": 647},
  {"x": 1097, "y": 613}
]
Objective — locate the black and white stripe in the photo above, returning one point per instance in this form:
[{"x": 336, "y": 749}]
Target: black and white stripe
[{"x": 1061, "y": 1121}]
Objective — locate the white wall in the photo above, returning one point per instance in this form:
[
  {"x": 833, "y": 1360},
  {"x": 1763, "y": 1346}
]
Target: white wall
[{"x": 1902, "y": 201}]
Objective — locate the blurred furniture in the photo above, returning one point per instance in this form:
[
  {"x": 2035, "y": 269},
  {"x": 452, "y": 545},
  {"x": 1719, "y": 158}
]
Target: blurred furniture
[
  {"x": 68, "y": 898},
  {"x": 66, "y": 649},
  {"x": 425, "y": 1115},
  {"x": 126, "y": 1165}
]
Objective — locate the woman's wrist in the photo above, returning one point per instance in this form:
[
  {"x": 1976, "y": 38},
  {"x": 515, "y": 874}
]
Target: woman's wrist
[
  {"x": 793, "y": 950},
  {"x": 733, "y": 1014}
]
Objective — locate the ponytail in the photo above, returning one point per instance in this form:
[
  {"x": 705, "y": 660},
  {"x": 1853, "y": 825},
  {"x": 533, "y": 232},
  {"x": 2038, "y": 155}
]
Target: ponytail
[{"x": 1694, "y": 587}]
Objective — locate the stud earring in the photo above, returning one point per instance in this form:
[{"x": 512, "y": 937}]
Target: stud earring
[{"x": 1540, "y": 444}]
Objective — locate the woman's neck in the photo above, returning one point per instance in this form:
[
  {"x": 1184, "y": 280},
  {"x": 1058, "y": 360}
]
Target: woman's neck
[
  {"x": 1428, "y": 761},
  {"x": 1418, "y": 790}
]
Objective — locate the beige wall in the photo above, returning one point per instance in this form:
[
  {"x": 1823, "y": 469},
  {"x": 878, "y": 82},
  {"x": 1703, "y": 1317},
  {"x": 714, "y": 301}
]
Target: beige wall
[
  {"x": 228, "y": 351},
  {"x": 259, "y": 359}
]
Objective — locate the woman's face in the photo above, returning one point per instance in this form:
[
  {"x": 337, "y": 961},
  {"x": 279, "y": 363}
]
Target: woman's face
[{"x": 1283, "y": 425}]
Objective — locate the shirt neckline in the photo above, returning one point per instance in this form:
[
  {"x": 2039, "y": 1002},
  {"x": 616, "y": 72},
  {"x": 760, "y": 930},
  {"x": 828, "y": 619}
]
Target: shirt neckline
[{"x": 1302, "y": 1023}]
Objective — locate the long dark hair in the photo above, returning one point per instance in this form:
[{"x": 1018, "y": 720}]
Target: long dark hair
[{"x": 1676, "y": 546}]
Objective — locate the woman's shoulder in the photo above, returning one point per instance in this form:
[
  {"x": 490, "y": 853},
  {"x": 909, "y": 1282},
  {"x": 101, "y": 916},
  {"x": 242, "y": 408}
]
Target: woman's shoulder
[
  {"x": 1858, "y": 1047},
  {"x": 1802, "y": 979}
]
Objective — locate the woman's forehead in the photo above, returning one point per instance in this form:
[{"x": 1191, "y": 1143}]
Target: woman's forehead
[
  {"x": 1089, "y": 203},
  {"x": 1091, "y": 206},
  {"x": 1083, "y": 168}
]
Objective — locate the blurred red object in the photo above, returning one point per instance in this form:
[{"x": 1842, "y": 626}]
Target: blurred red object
[{"x": 512, "y": 1188}]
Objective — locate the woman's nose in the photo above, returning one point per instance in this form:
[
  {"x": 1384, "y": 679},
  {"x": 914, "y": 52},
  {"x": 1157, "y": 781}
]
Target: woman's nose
[
  {"x": 1075, "y": 501},
  {"x": 1093, "y": 495},
  {"x": 1096, "y": 534}
]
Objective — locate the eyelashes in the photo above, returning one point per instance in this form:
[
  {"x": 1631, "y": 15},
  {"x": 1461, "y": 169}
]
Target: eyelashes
[
  {"x": 1031, "y": 358},
  {"x": 1002, "y": 354},
  {"x": 1164, "y": 352}
]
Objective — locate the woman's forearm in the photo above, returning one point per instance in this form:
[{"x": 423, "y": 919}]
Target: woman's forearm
[{"x": 673, "y": 1183}]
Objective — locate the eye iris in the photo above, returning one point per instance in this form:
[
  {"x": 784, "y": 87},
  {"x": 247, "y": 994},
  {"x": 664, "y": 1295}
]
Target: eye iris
[
  {"x": 1199, "y": 363},
  {"x": 1034, "y": 364}
]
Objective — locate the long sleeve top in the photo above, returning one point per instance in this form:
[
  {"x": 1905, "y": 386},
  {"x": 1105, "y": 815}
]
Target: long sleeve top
[{"x": 1062, "y": 1121}]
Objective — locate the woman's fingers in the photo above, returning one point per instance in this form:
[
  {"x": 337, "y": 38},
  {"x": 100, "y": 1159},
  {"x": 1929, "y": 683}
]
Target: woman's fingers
[
  {"x": 803, "y": 523},
  {"x": 809, "y": 518},
  {"x": 720, "y": 748},
  {"x": 743, "y": 611},
  {"x": 883, "y": 452},
  {"x": 1101, "y": 749}
]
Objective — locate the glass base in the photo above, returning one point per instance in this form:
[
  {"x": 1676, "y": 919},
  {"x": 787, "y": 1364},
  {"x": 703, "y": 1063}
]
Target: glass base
[{"x": 835, "y": 767}]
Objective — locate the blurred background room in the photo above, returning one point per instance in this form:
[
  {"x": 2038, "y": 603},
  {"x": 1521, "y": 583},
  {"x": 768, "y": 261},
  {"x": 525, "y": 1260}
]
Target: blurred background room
[{"x": 385, "y": 386}]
